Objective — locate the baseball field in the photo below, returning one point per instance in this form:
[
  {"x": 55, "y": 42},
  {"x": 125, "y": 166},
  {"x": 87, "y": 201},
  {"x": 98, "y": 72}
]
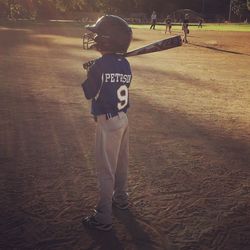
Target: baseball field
[{"x": 189, "y": 174}]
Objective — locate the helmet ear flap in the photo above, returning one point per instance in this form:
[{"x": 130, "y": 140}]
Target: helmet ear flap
[{"x": 102, "y": 42}]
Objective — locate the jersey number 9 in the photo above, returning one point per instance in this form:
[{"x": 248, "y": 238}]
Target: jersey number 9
[{"x": 122, "y": 95}]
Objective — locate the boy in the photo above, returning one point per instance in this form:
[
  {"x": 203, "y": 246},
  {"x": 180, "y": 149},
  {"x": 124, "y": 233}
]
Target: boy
[
  {"x": 185, "y": 28},
  {"x": 168, "y": 25},
  {"x": 107, "y": 84},
  {"x": 200, "y": 23},
  {"x": 153, "y": 20}
]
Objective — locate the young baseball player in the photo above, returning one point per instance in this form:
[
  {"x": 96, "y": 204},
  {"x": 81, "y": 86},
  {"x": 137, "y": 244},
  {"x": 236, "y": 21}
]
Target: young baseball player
[
  {"x": 153, "y": 20},
  {"x": 200, "y": 23},
  {"x": 168, "y": 25},
  {"x": 185, "y": 28},
  {"x": 107, "y": 84}
]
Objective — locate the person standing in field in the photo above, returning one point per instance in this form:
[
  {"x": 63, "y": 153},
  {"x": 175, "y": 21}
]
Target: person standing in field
[
  {"x": 200, "y": 23},
  {"x": 185, "y": 28},
  {"x": 107, "y": 85},
  {"x": 153, "y": 20},
  {"x": 168, "y": 25}
]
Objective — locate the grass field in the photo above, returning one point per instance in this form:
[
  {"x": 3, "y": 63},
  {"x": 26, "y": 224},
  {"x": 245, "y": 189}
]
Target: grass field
[
  {"x": 206, "y": 26},
  {"x": 189, "y": 178}
]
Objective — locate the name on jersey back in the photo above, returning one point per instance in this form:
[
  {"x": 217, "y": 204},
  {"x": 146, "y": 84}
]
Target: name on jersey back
[{"x": 116, "y": 78}]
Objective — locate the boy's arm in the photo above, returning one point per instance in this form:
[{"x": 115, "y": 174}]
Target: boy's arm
[{"x": 92, "y": 84}]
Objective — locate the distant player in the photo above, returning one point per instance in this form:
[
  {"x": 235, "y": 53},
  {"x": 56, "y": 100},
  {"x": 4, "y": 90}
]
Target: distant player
[
  {"x": 200, "y": 23},
  {"x": 168, "y": 25},
  {"x": 153, "y": 20},
  {"x": 185, "y": 28},
  {"x": 107, "y": 84}
]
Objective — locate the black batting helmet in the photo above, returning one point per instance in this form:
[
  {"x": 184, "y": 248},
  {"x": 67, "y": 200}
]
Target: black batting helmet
[{"x": 112, "y": 34}]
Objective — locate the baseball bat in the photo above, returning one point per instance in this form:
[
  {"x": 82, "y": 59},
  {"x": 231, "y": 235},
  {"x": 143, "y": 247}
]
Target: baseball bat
[{"x": 164, "y": 44}]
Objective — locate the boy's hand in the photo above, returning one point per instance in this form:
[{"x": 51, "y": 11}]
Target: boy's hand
[{"x": 87, "y": 65}]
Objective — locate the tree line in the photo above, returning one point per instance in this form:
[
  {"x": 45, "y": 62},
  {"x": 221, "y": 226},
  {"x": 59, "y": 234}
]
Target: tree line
[{"x": 46, "y": 9}]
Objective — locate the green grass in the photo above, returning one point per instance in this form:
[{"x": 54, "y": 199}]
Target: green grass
[
  {"x": 206, "y": 26},
  {"x": 176, "y": 27}
]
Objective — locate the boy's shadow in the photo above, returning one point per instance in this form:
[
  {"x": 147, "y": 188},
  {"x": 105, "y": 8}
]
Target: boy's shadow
[
  {"x": 110, "y": 241},
  {"x": 104, "y": 240},
  {"x": 140, "y": 237}
]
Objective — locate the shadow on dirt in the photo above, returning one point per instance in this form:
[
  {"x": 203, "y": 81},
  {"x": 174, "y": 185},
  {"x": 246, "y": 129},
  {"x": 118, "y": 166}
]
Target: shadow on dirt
[
  {"x": 69, "y": 29},
  {"x": 11, "y": 38},
  {"x": 219, "y": 50},
  {"x": 175, "y": 75},
  {"x": 104, "y": 240},
  {"x": 141, "y": 239}
]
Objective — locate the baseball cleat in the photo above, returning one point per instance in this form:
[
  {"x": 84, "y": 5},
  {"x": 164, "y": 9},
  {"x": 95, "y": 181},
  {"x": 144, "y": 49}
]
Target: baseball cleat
[
  {"x": 122, "y": 206},
  {"x": 92, "y": 223}
]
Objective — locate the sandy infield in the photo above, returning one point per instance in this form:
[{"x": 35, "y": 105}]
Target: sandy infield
[{"x": 189, "y": 179}]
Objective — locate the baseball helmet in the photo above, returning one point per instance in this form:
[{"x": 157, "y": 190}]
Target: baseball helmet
[{"x": 112, "y": 33}]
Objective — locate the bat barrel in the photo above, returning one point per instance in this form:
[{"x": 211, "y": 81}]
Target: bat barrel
[{"x": 164, "y": 44}]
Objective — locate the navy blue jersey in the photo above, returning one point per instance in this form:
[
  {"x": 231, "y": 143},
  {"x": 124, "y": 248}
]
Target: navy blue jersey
[
  {"x": 107, "y": 84},
  {"x": 168, "y": 21}
]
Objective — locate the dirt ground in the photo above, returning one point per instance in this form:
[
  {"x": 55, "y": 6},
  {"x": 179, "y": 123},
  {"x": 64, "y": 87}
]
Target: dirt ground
[{"x": 189, "y": 177}]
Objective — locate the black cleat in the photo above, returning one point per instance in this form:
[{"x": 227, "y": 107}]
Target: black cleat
[
  {"x": 121, "y": 206},
  {"x": 92, "y": 223}
]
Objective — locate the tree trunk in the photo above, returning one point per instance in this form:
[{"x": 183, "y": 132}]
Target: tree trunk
[
  {"x": 230, "y": 10},
  {"x": 203, "y": 7},
  {"x": 9, "y": 9}
]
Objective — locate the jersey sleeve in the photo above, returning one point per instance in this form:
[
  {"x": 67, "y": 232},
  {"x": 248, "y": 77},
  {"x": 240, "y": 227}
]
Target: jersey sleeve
[{"x": 93, "y": 82}]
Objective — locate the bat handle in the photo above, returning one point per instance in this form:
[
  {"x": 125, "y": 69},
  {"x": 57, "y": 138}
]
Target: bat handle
[{"x": 88, "y": 64}]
